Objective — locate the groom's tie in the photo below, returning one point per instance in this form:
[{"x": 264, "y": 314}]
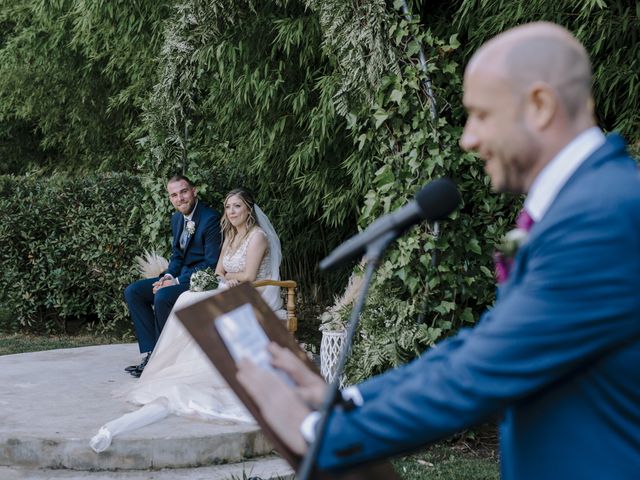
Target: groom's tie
[
  {"x": 524, "y": 220},
  {"x": 184, "y": 236},
  {"x": 503, "y": 263}
]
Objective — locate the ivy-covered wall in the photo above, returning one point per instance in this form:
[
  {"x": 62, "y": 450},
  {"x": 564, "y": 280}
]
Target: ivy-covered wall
[
  {"x": 414, "y": 303},
  {"x": 429, "y": 285}
]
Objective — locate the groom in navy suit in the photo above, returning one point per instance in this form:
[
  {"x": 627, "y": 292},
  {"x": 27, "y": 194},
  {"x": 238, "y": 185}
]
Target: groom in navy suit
[
  {"x": 558, "y": 356},
  {"x": 195, "y": 246}
]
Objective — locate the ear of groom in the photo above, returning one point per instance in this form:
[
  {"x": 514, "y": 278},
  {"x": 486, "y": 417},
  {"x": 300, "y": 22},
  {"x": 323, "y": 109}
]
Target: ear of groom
[{"x": 182, "y": 194}]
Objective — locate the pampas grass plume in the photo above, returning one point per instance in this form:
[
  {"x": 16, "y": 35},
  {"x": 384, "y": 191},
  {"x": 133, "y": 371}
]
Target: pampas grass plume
[{"x": 151, "y": 264}]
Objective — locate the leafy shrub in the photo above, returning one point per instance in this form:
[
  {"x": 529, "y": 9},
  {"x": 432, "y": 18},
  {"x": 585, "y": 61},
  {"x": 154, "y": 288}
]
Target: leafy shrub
[
  {"x": 247, "y": 91},
  {"x": 417, "y": 299},
  {"x": 67, "y": 247},
  {"x": 407, "y": 135}
]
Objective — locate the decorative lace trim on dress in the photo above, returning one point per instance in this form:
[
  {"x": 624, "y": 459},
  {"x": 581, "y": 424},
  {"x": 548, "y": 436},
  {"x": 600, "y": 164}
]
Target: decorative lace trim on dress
[{"x": 236, "y": 262}]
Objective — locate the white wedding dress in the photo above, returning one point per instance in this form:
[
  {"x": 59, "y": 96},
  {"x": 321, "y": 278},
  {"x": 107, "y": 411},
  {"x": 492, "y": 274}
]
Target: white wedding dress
[{"x": 179, "y": 378}]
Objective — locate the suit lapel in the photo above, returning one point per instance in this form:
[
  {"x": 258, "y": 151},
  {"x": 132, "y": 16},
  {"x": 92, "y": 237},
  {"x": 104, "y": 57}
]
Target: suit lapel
[
  {"x": 195, "y": 219},
  {"x": 613, "y": 147},
  {"x": 177, "y": 229}
]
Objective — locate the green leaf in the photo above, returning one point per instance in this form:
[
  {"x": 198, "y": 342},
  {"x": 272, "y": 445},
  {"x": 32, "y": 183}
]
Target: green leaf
[
  {"x": 453, "y": 41},
  {"x": 467, "y": 316},
  {"x": 396, "y": 96},
  {"x": 486, "y": 271},
  {"x": 380, "y": 116},
  {"x": 474, "y": 246}
]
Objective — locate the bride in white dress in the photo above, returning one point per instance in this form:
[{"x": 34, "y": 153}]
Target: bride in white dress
[{"x": 179, "y": 378}]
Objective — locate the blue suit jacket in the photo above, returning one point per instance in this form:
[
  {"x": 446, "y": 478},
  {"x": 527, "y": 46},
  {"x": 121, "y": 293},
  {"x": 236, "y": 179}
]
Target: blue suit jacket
[
  {"x": 558, "y": 357},
  {"x": 203, "y": 247}
]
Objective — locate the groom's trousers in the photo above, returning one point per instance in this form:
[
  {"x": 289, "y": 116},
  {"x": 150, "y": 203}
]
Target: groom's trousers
[{"x": 150, "y": 311}]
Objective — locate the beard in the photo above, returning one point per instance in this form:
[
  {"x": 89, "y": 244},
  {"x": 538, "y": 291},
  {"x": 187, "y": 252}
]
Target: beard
[{"x": 518, "y": 162}]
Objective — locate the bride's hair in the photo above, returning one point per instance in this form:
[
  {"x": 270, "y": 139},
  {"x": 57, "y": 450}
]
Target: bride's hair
[{"x": 229, "y": 232}]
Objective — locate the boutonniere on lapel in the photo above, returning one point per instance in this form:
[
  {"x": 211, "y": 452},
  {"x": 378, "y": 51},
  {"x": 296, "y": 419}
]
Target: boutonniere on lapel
[
  {"x": 510, "y": 244},
  {"x": 506, "y": 252},
  {"x": 191, "y": 227}
]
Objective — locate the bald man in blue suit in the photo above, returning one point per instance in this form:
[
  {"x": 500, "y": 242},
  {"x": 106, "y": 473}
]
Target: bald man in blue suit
[{"x": 558, "y": 357}]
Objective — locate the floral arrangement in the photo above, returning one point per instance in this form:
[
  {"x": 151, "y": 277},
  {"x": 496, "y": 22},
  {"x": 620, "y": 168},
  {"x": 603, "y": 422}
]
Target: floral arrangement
[
  {"x": 203, "y": 280},
  {"x": 512, "y": 241},
  {"x": 506, "y": 252},
  {"x": 336, "y": 317},
  {"x": 191, "y": 227}
]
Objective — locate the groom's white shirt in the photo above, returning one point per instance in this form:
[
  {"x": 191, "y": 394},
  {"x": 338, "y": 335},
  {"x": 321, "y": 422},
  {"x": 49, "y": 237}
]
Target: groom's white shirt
[{"x": 188, "y": 219}]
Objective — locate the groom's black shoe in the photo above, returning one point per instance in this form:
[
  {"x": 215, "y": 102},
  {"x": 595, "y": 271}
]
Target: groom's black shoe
[
  {"x": 140, "y": 368},
  {"x": 132, "y": 369}
]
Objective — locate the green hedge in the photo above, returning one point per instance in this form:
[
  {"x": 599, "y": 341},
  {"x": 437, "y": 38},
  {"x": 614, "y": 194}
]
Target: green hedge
[
  {"x": 67, "y": 247},
  {"x": 68, "y": 244}
]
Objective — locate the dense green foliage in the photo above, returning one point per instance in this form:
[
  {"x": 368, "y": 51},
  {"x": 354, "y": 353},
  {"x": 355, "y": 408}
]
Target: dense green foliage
[
  {"x": 609, "y": 29},
  {"x": 255, "y": 93},
  {"x": 319, "y": 107},
  {"x": 67, "y": 247},
  {"x": 74, "y": 75},
  {"x": 416, "y": 299}
]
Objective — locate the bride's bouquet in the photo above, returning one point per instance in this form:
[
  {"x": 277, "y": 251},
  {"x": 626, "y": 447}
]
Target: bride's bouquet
[{"x": 203, "y": 280}]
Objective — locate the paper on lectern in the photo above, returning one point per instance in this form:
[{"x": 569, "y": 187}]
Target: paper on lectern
[{"x": 245, "y": 338}]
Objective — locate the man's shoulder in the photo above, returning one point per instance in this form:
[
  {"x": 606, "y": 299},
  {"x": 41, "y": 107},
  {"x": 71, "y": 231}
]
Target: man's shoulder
[
  {"x": 608, "y": 177},
  {"x": 605, "y": 195}
]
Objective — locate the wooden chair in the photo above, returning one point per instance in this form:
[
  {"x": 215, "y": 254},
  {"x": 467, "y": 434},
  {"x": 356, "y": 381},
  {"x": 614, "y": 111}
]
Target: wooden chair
[{"x": 290, "y": 305}]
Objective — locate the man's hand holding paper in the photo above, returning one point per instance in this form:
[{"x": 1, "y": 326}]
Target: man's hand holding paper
[{"x": 281, "y": 406}]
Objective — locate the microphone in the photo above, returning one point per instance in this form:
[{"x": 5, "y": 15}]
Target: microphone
[{"x": 435, "y": 201}]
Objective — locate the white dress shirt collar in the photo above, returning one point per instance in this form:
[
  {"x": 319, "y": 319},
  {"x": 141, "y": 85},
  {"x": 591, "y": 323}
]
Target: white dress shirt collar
[{"x": 556, "y": 173}]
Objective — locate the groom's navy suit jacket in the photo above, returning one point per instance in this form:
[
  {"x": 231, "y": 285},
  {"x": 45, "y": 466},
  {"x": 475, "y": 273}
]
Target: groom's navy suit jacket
[
  {"x": 557, "y": 358},
  {"x": 203, "y": 247}
]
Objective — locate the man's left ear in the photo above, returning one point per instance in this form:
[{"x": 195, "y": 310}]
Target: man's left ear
[{"x": 542, "y": 103}]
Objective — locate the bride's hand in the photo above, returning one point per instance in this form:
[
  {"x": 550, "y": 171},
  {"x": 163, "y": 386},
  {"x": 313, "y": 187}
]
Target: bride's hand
[
  {"x": 311, "y": 388},
  {"x": 231, "y": 282}
]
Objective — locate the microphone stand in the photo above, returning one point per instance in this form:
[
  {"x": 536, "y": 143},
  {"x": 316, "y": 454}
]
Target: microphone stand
[{"x": 373, "y": 255}]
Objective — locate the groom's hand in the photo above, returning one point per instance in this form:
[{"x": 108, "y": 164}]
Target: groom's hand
[
  {"x": 281, "y": 408},
  {"x": 163, "y": 282}
]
